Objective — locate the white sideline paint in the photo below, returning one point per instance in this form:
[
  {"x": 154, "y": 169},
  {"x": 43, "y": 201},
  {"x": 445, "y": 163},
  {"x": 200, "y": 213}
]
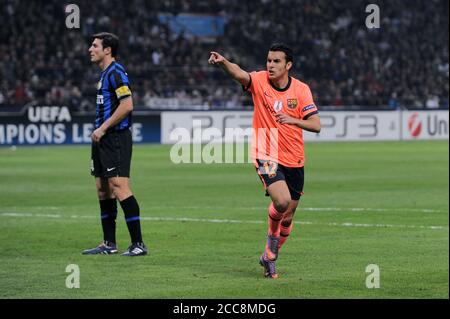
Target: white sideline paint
[
  {"x": 308, "y": 209},
  {"x": 313, "y": 209},
  {"x": 228, "y": 221}
]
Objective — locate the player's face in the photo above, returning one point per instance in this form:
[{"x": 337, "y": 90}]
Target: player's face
[
  {"x": 96, "y": 51},
  {"x": 276, "y": 64}
]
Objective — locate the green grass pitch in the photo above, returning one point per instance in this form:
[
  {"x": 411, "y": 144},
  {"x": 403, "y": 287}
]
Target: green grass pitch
[{"x": 365, "y": 203}]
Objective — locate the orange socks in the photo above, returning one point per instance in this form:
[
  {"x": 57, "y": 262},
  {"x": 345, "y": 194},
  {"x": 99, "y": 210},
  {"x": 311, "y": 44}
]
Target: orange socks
[
  {"x": 274, "y": 221},
  {"x": 284, "y": 233}
]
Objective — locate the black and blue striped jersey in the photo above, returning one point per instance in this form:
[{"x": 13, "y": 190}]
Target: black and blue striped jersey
[{"x": 112, "y": 87}]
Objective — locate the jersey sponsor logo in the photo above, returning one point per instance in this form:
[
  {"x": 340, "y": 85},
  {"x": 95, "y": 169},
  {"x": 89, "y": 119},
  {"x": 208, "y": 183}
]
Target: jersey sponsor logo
[
  {"x": 277, "y": 106},
  {"x": 99, "y": 99},
  {"x": 308, "y": 107},
  {"x": 292, "y": 103},
  {"x": 123, "y": 91}
]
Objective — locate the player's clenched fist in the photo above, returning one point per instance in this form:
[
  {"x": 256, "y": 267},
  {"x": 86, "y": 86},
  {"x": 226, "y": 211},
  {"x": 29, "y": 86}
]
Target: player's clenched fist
[{"x": 215, "y": 58}]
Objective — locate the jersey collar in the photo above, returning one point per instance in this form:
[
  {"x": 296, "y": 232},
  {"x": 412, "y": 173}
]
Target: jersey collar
[
  {"x": 109, "y": 67},
  {"x": 282, "y": 89}
]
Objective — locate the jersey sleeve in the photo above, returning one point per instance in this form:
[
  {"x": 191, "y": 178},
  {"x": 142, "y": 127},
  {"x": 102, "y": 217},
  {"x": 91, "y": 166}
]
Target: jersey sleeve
[
  {"x": 120, "y": 84},
  {"x": 307, "y": 106},
  {"x": 250, "y": 85}
]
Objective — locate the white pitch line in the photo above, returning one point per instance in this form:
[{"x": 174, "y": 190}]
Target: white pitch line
[
  {"x": 300, "y": 208},
  {"x": 313, "y": 209},
  {"x": 323, "y": 209},
  {"x": 229, "y": 221}
]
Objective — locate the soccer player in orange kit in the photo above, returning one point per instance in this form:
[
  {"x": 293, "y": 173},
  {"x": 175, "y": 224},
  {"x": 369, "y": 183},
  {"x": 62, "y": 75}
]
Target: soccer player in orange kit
[{"x": 283, "y": 108}]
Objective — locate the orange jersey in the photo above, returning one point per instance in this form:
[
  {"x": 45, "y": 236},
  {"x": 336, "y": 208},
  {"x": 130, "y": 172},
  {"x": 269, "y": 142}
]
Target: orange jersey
[{"x": 282, "y": 143}]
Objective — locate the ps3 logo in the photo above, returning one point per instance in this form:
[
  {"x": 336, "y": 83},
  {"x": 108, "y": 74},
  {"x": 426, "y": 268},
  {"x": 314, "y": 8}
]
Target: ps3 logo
[{"x": 366, "y": 126}]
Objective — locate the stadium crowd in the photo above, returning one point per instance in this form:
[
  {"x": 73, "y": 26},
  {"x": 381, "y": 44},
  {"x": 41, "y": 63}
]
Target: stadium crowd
[{"x": 404, "y": 63}]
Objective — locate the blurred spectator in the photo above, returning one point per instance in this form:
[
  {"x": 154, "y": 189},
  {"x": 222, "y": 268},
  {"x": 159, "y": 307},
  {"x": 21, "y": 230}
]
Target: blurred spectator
[
  {"x": 2, "y": 98},
  {"x": 402, "y": 64},
  {"x": 432, "y": 102},
  {"x": 393, "y": 101}
]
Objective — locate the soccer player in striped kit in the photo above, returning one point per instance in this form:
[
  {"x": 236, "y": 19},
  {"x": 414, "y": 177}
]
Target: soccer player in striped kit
[
  {"x": 112, "y": 148},
  {"x": 283, "y": 108}
]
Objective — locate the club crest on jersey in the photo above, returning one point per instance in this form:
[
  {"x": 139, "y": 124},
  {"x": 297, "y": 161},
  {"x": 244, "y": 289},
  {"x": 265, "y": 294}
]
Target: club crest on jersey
[
  {"x": 292, "y": 103},
  {"x": 99, "y": 85},
  {"x": 277, "y": 106}
]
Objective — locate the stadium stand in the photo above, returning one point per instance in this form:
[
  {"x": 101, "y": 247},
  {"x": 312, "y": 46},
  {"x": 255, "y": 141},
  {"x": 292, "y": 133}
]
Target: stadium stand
[{"x": 403, "y": 64}]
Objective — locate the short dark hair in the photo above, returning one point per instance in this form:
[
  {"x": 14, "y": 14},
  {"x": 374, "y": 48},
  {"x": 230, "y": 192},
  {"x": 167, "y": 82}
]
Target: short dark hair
[
  {"x": 109, "y": 40},
  {"x": 277, "y": 46}
]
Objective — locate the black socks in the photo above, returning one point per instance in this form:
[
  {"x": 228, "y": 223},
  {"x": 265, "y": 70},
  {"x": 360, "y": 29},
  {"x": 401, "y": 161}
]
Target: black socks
[
  {"x": 108, "y": 211},
  {"x": 131, "y": 210}
]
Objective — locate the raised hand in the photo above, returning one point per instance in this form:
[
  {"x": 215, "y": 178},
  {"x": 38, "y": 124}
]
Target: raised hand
[{"x": 215, "y": 58}]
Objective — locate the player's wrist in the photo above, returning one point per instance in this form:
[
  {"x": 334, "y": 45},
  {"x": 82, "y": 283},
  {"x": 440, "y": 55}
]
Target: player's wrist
[
  {"x": 103, "y": 127},
  {"x": 299, "y": 123}
]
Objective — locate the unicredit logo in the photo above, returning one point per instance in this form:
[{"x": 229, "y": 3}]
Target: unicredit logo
[{"x": 414, "y": 125}]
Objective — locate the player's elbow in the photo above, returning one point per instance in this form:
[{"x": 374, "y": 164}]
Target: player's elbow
[
  {"x": 314, "y": 129},
  {"x": 128, "y": 104},
  {"x": 130, "y": 107},
  {"x": 243, "y": 78},
  {"x": 317, "y": 129}
]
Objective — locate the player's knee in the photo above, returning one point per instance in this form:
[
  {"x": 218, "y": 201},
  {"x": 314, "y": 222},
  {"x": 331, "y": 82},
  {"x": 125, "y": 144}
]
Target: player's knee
[
  {"x": 117, "y": 190},
  {"x": 101, "y": 195},
  {"x": 120, "y": 190},
  {"x": 103, "y": 189},
  {"x": 115, "y": 184},
  {"x": 281, "y": 205},
  {"x": 102, "y": 192}
]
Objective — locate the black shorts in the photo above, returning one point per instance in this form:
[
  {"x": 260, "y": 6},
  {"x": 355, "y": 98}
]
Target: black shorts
[
  {"x": 111, "y": 156},
  {"x": 270, "y": 172}
]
